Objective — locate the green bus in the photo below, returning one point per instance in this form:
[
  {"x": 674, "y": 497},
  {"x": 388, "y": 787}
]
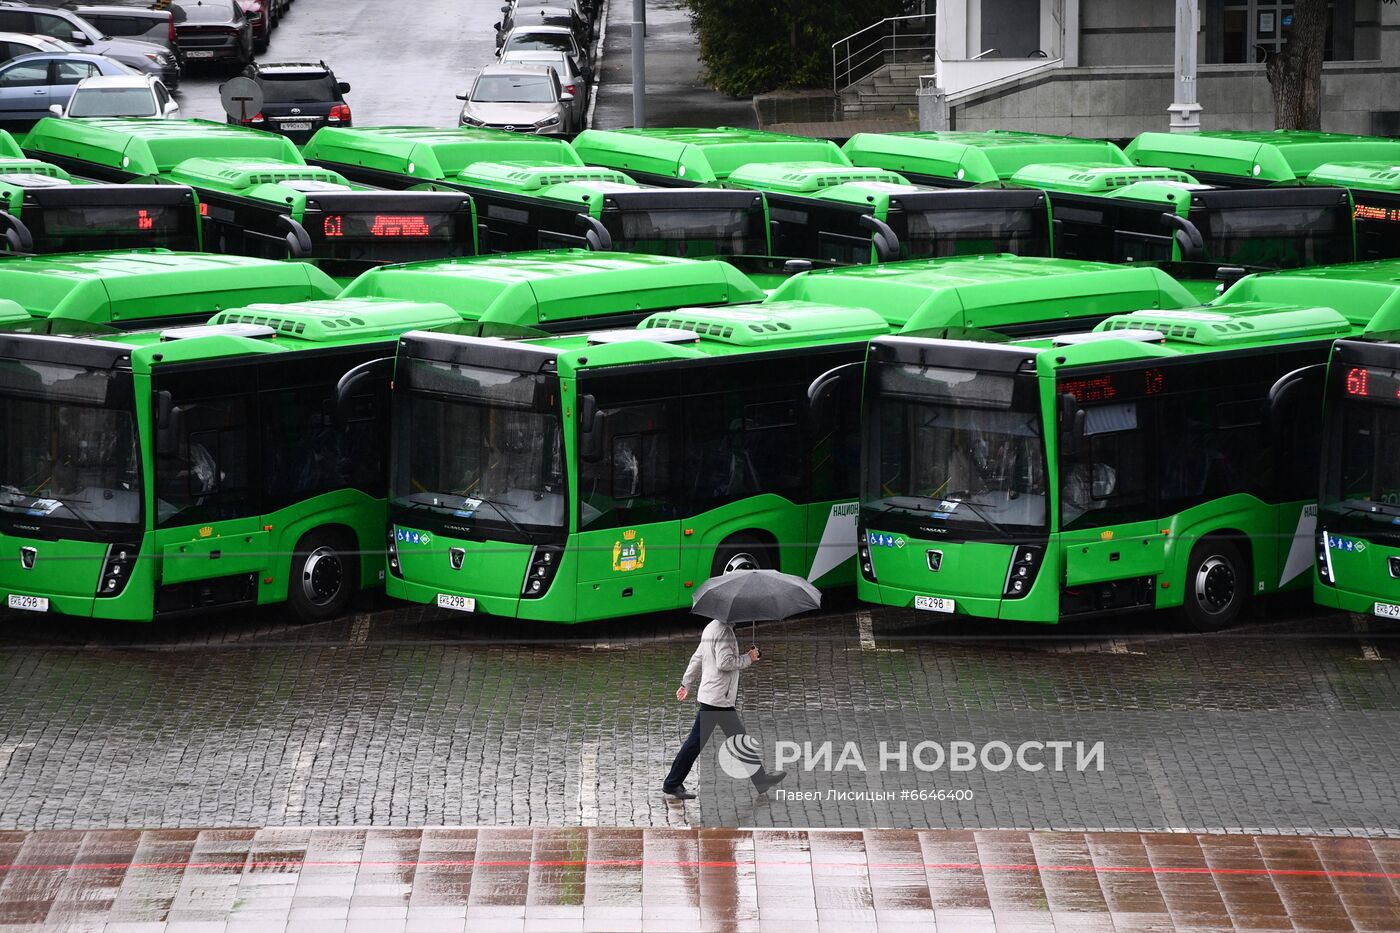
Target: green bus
[
  {"x": 967, "y": 159},
  {"x": 1243, "y": 159},
  {"x": 1165, "y": 460},
  {"x": 606, "y": 474},
  {"x": 557, "y": 291},
  {"x": 43, "y": 209},
  {"x": 1165, "y": 216},
  {"x": 851, "y": 215},
  {"x": 687, "y": 157},
  {"x": 1375, "y": 193},
  {"x": 133, "y": 289},
  {"x": 217, "y": 470},
  {"x": 542, "y": 197},
  {"x": 258, "y": 197}
]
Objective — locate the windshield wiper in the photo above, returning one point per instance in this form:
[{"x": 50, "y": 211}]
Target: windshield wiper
[
  {"x": 971, "y": 505},
  {"x": 500, "y": 510}
]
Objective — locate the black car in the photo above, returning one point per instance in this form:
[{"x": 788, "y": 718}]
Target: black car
[
  {"x": 298, "y": 99},
  {"x": 214, "y": 31}
]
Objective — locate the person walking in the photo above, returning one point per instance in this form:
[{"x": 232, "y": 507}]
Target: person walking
[{"x": 714, "y": 668}]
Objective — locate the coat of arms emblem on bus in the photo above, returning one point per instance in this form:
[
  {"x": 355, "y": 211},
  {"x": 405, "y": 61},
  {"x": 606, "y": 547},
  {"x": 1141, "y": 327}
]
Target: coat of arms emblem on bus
[{"x": 630, "y": 553}]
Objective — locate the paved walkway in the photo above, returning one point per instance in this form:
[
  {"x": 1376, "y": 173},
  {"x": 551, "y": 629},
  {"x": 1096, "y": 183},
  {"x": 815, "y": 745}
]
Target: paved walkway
[
  {"x": 631, "y": 879},
  {"x": 675, "y": 94}
]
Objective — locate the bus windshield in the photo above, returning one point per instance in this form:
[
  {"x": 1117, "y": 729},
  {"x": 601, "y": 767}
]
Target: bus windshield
[
  {"x": 1367, "y": 475},
  {"x": 480, "y": 446},
  {"x": 1279, "y": 237},
  {"x": 950, "y": 448},
  {"x": 70, "y": 451},
  {"x": 964, "y": 232},
  {"x": 689, "y": 232}
]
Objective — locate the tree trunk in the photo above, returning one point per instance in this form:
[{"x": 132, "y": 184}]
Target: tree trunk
[{"x": 1295, "y": 74}]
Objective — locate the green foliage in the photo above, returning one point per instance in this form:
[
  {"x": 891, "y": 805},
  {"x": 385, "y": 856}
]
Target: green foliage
[{"x": 752, "y": 46}]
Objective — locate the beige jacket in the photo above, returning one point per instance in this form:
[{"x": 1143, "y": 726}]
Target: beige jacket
[{"x": 715, "y": 666}]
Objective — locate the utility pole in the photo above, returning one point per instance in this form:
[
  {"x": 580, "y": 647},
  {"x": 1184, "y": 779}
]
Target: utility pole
[
  {"x": 1185, "y": 110},
  {"x": 639, "y": 63}
]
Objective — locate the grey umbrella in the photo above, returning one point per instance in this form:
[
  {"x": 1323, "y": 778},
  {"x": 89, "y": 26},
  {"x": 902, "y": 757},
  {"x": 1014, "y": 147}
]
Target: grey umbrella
[{"x": 750, "y": 595}]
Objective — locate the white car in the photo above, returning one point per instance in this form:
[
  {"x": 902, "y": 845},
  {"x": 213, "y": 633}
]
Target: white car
[
  {"x": 119, "y": 96},
  {"x": 520, "y": 98},
  {"x": 15, "y": 44},
  {"x": 573, "y": 79}
]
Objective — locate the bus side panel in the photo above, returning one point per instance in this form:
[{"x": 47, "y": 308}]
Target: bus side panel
[
  {"x": 764, "y": 515},
  {"x": 364, "y": 515},
  {"x": 1257, "y": 521},
  {"x": 628, "y": 570},
  {"x": 831, "y": 543},
  {"x": 1096, "y": 555}
]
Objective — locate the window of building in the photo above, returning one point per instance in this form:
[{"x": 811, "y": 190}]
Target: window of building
[{"x": 1247, "y": 31}]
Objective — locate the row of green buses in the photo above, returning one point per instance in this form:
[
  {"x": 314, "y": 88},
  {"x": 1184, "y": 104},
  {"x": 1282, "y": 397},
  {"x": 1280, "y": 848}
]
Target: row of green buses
[{"x": 674, "y": 431}]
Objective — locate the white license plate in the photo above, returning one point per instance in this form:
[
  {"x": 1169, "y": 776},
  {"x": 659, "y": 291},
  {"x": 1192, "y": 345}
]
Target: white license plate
[
  {"x": 202, "y": 53},
  {"x": 934, "y": 604},
  {"x": 31, "y": 603},
  {"x": 295, "y": 126},
  {"x": 460, "y": 603},
  {"x": 1384, "y": 610}
]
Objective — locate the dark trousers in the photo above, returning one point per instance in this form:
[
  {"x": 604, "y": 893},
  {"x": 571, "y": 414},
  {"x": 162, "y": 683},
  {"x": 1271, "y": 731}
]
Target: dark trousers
[{"x": 706, "y": 719}]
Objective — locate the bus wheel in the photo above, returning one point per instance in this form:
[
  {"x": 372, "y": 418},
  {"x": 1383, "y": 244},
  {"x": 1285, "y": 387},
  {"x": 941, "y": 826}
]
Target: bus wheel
[
  {"x": 1217, "y": 585},
  {"x": 324, "y": 577},
  {"x": 742, "y": 552}
]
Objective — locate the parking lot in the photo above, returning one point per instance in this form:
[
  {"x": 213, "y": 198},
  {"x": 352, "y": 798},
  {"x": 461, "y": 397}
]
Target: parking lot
[
  {"x": 404, "y": 64},
  {"x": 410, "y": 717}
]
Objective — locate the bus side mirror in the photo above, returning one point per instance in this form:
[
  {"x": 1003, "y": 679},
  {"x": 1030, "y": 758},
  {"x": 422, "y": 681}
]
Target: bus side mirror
[
  {"x": 822, "y": 394},
  {"x": 1188, "y": 238},
  {"x": 168, "y": 435},
  {"x": 589, "y": 437},
  {"x": 357, "y": 383},
  {"x": 595, "y": 234},
  {"x": 165, "y": 406},
  {"x": 1073, "y": 424},
  {"x": 882, "y": 236},
  {"x": 298, "y": 240}
]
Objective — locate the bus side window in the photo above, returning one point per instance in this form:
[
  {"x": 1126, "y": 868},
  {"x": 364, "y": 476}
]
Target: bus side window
[
  {"x": 1105, "y": 482},
  {"x": 1211, "y": 449},
  {"x": 634, "y": 481},
  {"x": 202, "y": 462},
  {"x": 736, "y": 448}
]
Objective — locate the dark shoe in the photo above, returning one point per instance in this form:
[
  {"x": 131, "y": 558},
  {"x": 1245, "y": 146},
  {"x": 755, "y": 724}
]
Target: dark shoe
[
  {"x": 769, "y": 780},
  {"x": 678, "y": 793}
]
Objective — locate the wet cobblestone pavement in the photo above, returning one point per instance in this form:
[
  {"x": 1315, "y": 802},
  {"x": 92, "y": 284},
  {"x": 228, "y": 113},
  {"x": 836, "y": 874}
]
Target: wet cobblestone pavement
[
  {"x": 412, "y": 718},
  {"x": 623, "y": 879}
]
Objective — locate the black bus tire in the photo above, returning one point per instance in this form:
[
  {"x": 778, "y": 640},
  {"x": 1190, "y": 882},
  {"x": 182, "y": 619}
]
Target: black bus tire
[
  {"x": 1216, "y": 587},
  {"x": 325, "y": 575},
  {"x": 742, "y": 552}
]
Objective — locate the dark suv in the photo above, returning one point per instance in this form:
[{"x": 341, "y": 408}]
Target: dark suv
[{"x": 298, "y": 99}]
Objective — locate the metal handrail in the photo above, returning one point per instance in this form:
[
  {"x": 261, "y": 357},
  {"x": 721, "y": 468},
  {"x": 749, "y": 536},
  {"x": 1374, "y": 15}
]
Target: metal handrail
[{"x": 864, "y": 51}]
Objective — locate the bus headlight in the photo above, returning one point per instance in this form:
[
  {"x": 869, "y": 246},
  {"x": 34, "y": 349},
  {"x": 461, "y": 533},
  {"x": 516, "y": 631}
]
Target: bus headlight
[
  {"x": 1020, "y": 576},
  {"x": 116, "y": 569},
  {"x": 867, "y": 566},
  {"x": 544, "y": 564},
  {"x": 1324, "y": 560},
  {"x": 393, "y": 555}
]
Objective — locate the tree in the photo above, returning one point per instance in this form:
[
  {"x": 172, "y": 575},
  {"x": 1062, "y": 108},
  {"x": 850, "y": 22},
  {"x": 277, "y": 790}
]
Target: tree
[{"x": 1295, "y": 73}]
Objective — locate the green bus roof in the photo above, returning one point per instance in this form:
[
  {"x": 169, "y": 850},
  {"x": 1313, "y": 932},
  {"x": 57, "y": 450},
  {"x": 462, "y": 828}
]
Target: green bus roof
[
  {"x": 975, "y": 158},
  {"x": 9, "y": 149},
  {"x": 805, "y": 178},
  {"x": 244, "y": 176},
  {"x": 124, "y": 287},
  {"x": 989, "y": 291},
  {"x": 150, "y": 147},
  {"x": 1266, "y": 156},
  {"x": 432, "y": 153},
  {"x": 699, "y": 156},
  {"x": 1094, "y": 178},
  {"x": 555, "y": 287},
  {"x": 32, "y": 167},
  {"x": 1365, "y": 293},
  {"x": 1367, "y": 176},
  {"x": 533, "y": 178}
]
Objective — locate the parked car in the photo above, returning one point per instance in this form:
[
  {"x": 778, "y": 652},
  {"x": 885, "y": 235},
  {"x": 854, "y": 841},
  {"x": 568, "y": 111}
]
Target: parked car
[
  {"x": 298, "y": 99},
  {"x": 545, "y": 39},
  {"x": 30, "y": 84},
  {"x": 15, "y": 44},
  {"x": 565, "y": 16},
  {"x": 585, "y": 8},
  {"x": 214, "y": 31},
  {"x": 119, "y": 96},
  {"x": 129, "y": 21},
  {"x": 572, "y": 79},
  {"x": 521, "y": 98},
  {"x": 259, "y": 14},
  {"x": 77, "y": 31}
]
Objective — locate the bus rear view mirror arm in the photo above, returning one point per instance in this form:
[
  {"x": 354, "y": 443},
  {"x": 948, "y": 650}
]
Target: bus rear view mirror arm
[
  {"x": 885, "y": 240},
  {"x": 1187, "y": 236},
  {"x": 16, "y": 233},
  {"x": 359, "y": 382},
  {"x": 823, "y": 391},
  {"x": 597, "y": 235},
  {"x": 298, "y": 240}
]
